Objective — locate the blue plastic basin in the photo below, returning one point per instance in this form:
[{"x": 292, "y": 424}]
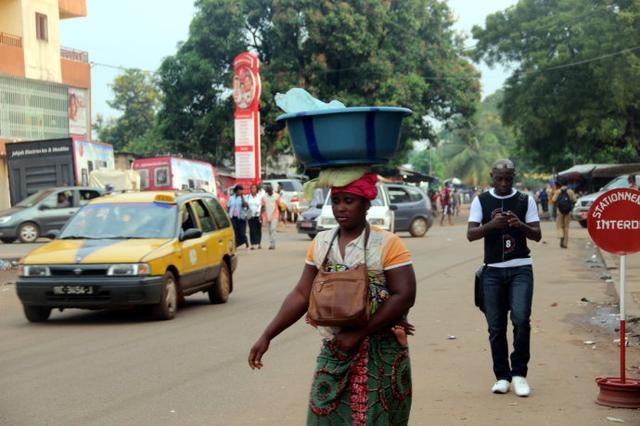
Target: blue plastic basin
[{"x": 345, "y": 136}]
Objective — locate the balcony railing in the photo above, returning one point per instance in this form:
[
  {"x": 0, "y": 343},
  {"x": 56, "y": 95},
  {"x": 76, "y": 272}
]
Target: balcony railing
[
  {"x": 74, "y": 55},
  {"x": 10, "y": 40}
]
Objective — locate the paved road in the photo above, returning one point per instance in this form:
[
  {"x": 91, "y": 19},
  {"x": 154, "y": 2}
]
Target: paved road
[
  {"x": 15, "y": 251},
  {"x": 99, "y": 368}
]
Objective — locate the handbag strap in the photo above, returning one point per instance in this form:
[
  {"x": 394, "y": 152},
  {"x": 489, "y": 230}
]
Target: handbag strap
[{"x": 335, "y": 234}]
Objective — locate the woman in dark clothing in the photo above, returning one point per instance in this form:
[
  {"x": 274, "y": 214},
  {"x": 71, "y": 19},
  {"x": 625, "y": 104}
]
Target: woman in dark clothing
[{"x": 236, "y": 205}]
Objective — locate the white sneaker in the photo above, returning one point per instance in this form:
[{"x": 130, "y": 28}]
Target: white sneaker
[
  {"x": 520, "y": 386},
  {"x": 501, "y": 386}
]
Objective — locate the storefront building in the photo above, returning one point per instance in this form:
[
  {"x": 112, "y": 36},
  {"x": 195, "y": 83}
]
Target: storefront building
[{"x": 44, "y": 88}]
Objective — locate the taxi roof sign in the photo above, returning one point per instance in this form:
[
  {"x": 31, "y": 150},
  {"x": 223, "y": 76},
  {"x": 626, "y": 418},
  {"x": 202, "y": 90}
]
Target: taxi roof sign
[{"x": 165, "y": 198}]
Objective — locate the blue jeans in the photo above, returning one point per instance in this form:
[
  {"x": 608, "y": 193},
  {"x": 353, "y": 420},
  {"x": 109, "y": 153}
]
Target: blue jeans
[{"x": 508, "y": 289}]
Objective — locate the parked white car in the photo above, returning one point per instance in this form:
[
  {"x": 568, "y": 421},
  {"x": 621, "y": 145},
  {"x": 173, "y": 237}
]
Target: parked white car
[
  {"x": 583, "y": 204},
  {"x": 380, "y": 214}
]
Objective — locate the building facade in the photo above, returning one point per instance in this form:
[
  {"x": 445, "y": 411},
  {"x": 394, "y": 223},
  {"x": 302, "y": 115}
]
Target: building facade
[{"x": 45, "y": 89}]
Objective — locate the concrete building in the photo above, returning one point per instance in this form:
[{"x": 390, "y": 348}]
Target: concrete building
[{"x": 44, "y": 87}]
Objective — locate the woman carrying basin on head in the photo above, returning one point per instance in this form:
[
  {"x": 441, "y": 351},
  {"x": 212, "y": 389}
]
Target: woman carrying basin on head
[{"x": 363, "y": 372}]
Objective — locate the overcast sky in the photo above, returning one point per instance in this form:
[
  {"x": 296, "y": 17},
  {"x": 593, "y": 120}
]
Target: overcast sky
[{"x": 140, "y": 33}]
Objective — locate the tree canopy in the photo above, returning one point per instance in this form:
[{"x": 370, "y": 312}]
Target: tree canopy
[
  {"x": 573, "y": 95},
  {"x": 137, "y": 97},
  {"x": 362, "y": 52}
]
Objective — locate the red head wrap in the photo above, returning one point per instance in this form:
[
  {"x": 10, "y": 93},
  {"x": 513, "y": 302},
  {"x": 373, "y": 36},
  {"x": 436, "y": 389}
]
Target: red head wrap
[{"x": 363, "y": 187}]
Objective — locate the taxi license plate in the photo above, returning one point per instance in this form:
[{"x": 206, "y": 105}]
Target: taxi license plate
[
  {"x": 73, "y": 289},
  {"x": 306, "y": 225}
]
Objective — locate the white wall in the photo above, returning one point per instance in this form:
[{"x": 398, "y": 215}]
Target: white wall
[{"x": 41, "y": 58}]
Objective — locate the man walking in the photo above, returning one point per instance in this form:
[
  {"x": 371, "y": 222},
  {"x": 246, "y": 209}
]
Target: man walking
[
  {"x": 564, "y": 200},
  {"x": 272, "y": 204},
  {"x": 506, "y": 218}
]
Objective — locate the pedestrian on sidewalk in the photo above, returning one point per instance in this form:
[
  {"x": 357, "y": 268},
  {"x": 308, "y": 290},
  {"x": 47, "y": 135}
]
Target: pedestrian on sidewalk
[
  {"x": 272, "y": 204},
  {"x": 564, "y": 200},
  {"x": 633, "y": 182},
  {"x": 254, "y": 200},
  {"x": 363, "y": 373},
  {"x": 447, "y": 205},
  {"x": 543, "y": 197},
  {"x": 505, "y": 219},
  {"x": 552, "y": 205},
  {"x": 238, "y": 211}
]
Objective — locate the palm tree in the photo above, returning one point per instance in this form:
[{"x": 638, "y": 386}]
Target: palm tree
[{"x": 469, "y": 156}]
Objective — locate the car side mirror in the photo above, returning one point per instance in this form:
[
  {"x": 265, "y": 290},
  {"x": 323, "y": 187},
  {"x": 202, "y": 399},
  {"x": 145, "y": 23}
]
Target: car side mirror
[
  {"x": 53, "y": 234},
  {"x": 319, "y": 205},
  {"x": 191, "y": 234},
  {"x": 393, "y": 207},
  {"x": 43, "y": 207}
]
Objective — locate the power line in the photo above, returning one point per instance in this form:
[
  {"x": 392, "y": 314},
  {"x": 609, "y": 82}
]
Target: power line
[
  {"x": 597, "y": 58},
  {"x": 118, "y": 67}
]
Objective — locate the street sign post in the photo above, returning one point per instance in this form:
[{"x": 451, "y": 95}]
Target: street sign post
[
  {"x": 614, "y": 226},
  {"x": 246, "y": 96}
]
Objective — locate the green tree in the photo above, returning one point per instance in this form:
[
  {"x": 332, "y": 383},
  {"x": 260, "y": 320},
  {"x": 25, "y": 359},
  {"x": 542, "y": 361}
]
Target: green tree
[
  {"x": 428, "y": 162},
  {"x": 469, "y": 154},
  {"x": 362, "y": 52},
  {"x": 573, "y": 95},
  {"x": 137, "y": 98}
]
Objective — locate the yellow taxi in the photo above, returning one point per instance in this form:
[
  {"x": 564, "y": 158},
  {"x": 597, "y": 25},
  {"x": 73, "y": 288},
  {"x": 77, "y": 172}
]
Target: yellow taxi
[{"x": 133, "y": 248}]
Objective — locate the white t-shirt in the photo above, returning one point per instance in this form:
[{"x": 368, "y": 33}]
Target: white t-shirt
[
  {"x": 255, "y": 203},
  {"x": 475, "y": 215}
]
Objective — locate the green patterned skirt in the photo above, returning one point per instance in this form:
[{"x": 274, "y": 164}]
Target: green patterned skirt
[{"x": 369, "y": 387}]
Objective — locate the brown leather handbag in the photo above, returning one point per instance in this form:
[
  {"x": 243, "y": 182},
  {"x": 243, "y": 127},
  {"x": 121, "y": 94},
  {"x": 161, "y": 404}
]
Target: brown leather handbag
[{"x": 340, "y": 299}]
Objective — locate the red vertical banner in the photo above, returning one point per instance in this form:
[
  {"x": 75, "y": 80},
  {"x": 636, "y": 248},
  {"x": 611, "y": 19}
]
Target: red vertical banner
[{"x": 246, "y": 95}]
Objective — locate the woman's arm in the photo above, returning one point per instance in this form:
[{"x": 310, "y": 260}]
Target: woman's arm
[
  {"x": 294, "y": 306},
  {"x": 401, "y": 283}
]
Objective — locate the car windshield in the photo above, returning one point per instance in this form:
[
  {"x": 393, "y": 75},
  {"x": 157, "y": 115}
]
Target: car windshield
[
  {"x": 619, "y": 182},
  {"x": 34, "y": 198},
  {"x": 378, "y": 202},
  {"x": 123, "y": 221}
]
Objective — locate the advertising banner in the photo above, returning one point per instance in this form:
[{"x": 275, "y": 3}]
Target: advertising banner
[
  {"x": 246, "y": 95},
  {"x": 78, "y": 112}
]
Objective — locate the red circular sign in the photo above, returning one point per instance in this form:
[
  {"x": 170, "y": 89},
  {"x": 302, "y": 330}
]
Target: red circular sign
[{"x": 614, "y": 221}]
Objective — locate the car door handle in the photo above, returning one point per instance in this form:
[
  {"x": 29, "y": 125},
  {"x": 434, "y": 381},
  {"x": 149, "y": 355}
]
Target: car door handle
[
  {"x": 220, "y": 241},
  {"x": 204, "y": 246}
]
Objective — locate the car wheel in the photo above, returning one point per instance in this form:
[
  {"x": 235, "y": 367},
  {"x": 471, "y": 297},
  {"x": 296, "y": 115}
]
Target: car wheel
[
  {"x": 166, "y": 309},
  {"x": 219, "y": 291},
  {"x": 583, "y": 223},
  {"x": 28, "y": 232},
  {"x": 37, "y": 313},
  {"x": 312, "y": 236},
  {"x": 7, "y": 240},
  {"x": 418, "y": 227}
]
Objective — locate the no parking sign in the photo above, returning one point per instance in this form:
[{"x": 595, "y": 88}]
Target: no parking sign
[
  {"x": 614, "y": 221},
  {"x": 614, "y": 226}
]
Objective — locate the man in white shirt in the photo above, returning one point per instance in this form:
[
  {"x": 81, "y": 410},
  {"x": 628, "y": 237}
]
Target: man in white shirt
[{"x": 506, "y": 219}]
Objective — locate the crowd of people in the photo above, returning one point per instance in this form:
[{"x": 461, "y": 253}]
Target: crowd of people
[{"x": 262, "y": 206}]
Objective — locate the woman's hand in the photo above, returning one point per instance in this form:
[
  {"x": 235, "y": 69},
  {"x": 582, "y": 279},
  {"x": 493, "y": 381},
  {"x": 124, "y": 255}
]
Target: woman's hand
[
  {"x": 408, "y": 327},
  {"x": 257, "y": 350},
  {"x": 348, "y": 341}
]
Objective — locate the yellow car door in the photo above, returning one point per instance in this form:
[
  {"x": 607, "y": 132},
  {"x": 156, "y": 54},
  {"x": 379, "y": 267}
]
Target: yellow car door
[
  {"x": 224, "y": 231},
  {"x": 194, "y": 251},
  {"x": 213, "y": 251}
]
